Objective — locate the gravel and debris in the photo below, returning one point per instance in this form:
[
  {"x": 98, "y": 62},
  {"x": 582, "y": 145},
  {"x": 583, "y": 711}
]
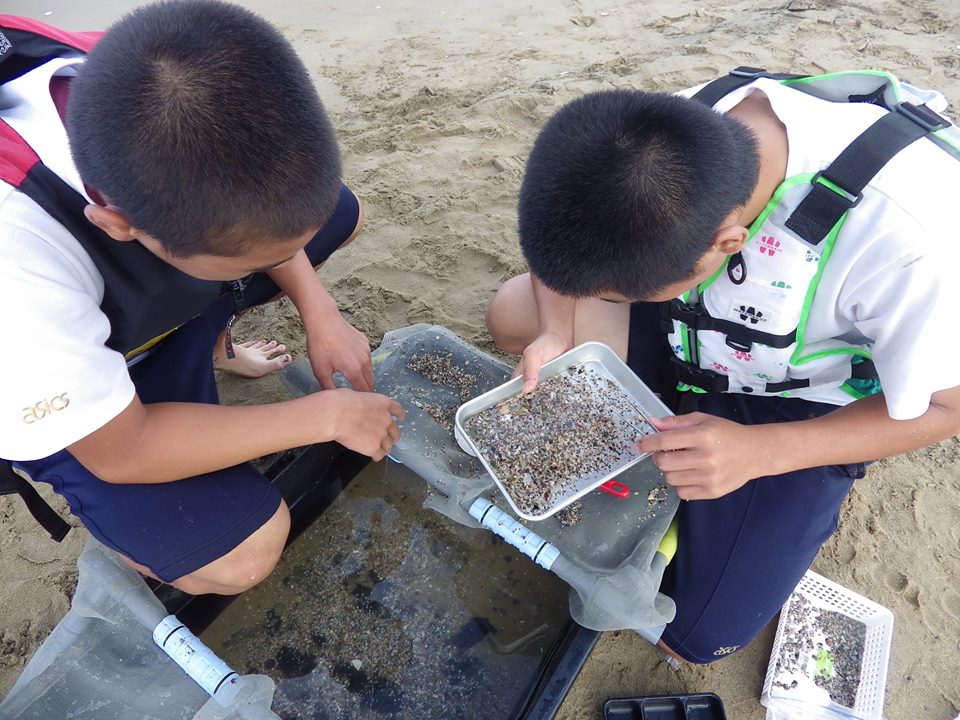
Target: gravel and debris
[
  {"x": 571, "y": 514},
  {"x": 442, "y": 370},
  {"x": 823, "y": 646},
  {"x": 571, "y": 431}
]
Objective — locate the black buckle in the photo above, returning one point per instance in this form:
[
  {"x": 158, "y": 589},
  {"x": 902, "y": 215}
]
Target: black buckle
[
  {"x": 708, "y": 380},
  {"x": 748, "y": 72},
  {"x": 736, "y": 345},
  {"x": 237, "y": 288},
  {"x": 851, "y": 199},
  {"x": 684, "y": 313},
  {"x": 922, "y": 116}
]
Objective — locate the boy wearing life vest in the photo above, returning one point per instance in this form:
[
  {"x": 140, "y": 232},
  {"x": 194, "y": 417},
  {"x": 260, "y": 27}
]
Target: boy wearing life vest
[
  {"x": 156, "y": 183},
  {"x": 775, "y": 263}
]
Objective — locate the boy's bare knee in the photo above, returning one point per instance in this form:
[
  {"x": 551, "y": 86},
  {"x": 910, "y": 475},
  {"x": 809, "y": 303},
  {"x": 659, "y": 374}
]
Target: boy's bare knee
[
  {"x": 246, "y": 565},
  {"x": 511, "y": 315}
]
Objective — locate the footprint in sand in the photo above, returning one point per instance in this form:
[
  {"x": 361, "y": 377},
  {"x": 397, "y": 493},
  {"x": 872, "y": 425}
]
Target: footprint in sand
[
  {"x": 951, "y": 603},
  {"x": 895, "y": 580},
  {"x": 912, "y": 596}
]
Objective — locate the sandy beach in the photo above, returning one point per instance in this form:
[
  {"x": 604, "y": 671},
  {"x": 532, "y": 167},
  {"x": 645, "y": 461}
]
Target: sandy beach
[{"x": 436, "y": 106}]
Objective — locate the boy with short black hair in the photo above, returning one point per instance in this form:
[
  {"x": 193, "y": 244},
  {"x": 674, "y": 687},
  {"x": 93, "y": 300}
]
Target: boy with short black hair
[
  {"x": 673, "y": 231},
  {"x": 204, "y": 179}
]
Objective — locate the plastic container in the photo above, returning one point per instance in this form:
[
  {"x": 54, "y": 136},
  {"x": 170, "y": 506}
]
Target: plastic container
[
  {"x": 599, "y": 364},
  {"x": 698, "y": 706},
  {"x": 803, "y": 698}
]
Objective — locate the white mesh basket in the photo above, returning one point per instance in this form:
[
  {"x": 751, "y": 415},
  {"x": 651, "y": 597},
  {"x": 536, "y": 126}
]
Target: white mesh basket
[{"x": 802, "y": 698}]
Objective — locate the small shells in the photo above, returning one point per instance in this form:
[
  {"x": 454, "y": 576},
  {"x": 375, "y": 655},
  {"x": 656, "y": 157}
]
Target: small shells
[
  {"x": 837, "y": 640},
  {"x": 545, "y": 445},
  {"x": 571, "y": 514},
  {"x": 441, "y": 370}
]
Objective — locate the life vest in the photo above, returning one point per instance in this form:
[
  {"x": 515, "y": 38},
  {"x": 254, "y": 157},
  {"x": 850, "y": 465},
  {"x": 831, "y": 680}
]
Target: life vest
[
  {"x": 743, "y": 329},
  {"x": 144, "y": 297}
]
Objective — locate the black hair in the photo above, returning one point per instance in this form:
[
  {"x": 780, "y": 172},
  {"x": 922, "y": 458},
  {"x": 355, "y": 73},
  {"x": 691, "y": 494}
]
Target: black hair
[
  {"x": 624, "y": 191},
  {"x": 199, "y": 122}
]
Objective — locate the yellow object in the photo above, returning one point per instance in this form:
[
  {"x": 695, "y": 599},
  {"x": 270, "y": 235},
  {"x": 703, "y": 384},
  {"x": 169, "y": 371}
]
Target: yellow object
[
  {"x": 668, "y": 545},
  {"x": 147, "y": 345}
]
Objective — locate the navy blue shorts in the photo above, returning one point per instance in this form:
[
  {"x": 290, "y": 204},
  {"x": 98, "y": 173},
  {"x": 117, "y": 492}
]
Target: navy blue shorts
[
  {"x": 178, "y": 527},
  {"x": 740, "y": 556}
]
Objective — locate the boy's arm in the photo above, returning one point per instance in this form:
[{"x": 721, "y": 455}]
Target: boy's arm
[
  {"x": 164, "y": 442},
  {"x": 556, "y": 315},
  {"x": 706, "y": 457},
  {"x": 332, "y": 343}
]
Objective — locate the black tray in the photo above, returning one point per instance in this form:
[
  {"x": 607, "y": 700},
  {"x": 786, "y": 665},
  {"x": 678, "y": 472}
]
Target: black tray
[{"x": 699, "y": 706}]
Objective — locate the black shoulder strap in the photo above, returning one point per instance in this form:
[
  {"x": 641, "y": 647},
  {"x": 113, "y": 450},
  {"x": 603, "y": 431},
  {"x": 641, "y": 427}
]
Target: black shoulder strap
[
  {"x": 840, "y": 186},
  {"x": 11, "y": 482},
  {"x": 711, "y": 93}
]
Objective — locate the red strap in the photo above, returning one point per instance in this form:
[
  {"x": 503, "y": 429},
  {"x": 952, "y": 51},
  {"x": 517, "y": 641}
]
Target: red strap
[
  {"x": 16, "y": 157},
  {"x": 81, "y": 40}
]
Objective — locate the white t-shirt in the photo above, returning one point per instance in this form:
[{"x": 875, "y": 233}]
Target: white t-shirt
[
  {"x": 58, "y": 380},
  {"x": 888, "y": 280}
]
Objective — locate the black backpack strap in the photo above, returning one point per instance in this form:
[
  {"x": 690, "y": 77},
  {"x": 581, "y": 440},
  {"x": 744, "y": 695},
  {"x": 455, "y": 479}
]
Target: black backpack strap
[
  {"x": 711, "y": 93},
  {"x": 856, "y": 166},
  {"x": 697, "y": 317},
  {"x": 11, "y": 482},
  {"x": 713, "y": 382}
]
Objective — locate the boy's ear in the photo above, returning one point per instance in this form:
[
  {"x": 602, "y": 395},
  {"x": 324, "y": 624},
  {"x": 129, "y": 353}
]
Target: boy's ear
[
  {"x": 113, "y": 222},
  {"x": 730, "y": 239}
]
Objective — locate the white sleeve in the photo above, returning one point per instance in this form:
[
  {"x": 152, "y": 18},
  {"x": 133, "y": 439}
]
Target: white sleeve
[
  {"x": 904, "y": 305},
  {"x": 58, "y": 381}
]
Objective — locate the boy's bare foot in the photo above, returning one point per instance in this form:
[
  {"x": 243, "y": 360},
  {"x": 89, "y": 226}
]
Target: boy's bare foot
[{"x": 252, "y": 359}]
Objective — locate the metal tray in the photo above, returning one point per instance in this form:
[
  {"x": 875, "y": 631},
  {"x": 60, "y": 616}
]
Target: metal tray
[{"x": 596, "y": 357}]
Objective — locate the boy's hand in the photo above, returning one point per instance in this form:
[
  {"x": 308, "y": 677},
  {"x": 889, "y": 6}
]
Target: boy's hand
[
  {"x": 541, "y": 351},
  {"x": 703, "y": 456},
  {"x": 365, "y": 422},
  {"x": 336, "y": 345},
  {"x": 332, "y": 343}
]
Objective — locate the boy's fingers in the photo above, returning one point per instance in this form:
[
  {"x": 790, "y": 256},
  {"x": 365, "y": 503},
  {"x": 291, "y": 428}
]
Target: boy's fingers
[
  {"x": 367, "y": 370},
  {"x": 692, "y": 492},
  {"x": 677, "y": 461},
  {"x": 683, "y": 478},
  {"x": 397, "y": 411},
  {"x": 531, "y": 373},
  {"x": 529, "y": 382},
  {"x": 358, "y": 381},
  {"x": 668, "y": 439},
  {"x": 672, "y": 422}
]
